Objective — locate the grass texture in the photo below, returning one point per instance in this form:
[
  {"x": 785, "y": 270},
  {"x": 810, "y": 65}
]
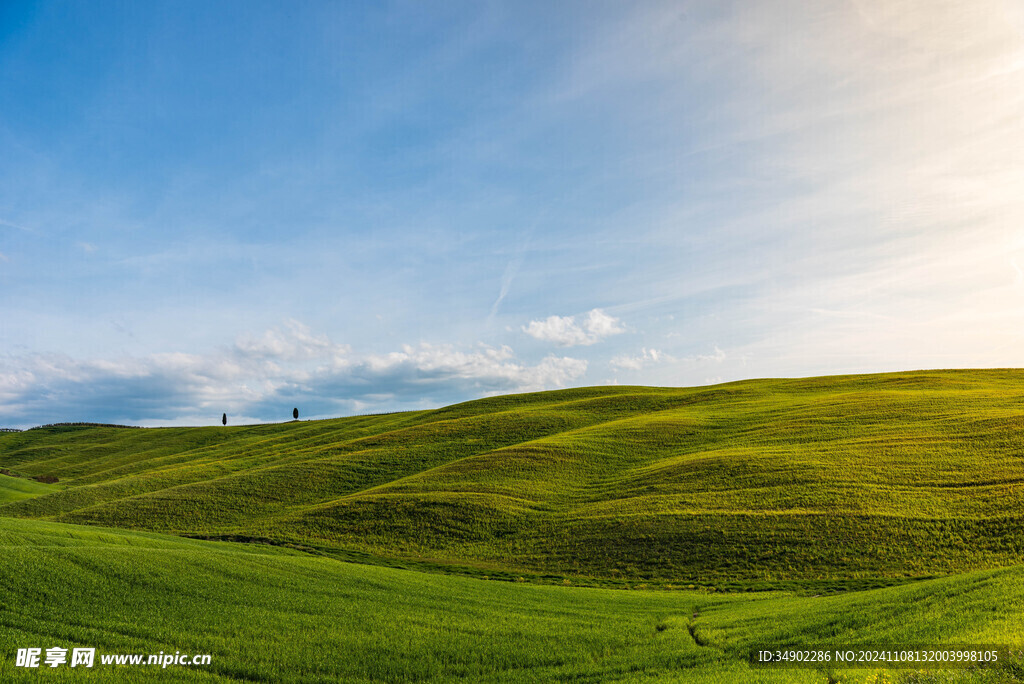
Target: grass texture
[{"x": 266, "y": 614}]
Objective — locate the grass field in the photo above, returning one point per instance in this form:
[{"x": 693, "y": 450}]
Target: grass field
[
  {"x": 16, "y": 489},
  {"x": 268, "y": 614},
  {"x": 629, "y": 523}
]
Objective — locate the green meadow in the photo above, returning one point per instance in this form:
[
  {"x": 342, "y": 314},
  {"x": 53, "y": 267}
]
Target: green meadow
[
  {"x": 585, "y": 535},
  {"x": 269, "y": 614}
]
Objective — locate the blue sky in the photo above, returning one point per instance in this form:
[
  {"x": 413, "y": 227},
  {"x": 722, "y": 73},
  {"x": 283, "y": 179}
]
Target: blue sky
[{"x": 353, "y": 207}]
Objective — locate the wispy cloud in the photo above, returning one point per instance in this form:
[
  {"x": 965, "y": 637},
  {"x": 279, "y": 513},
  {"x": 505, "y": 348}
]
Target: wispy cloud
[
  {"x": 872, "y": 204},
  {"x": 716, "y": 356},
  {"x": 509, "y": 275},
  {"x": 646, "y": 357},
  {"x": 291, "y": 342},
  {"x": 16, "y": 226},
  {"x": 565, "y": 331}
]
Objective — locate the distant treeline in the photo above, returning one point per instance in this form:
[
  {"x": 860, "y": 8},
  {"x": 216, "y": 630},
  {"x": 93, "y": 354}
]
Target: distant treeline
[{"x": 60, "y": 425}]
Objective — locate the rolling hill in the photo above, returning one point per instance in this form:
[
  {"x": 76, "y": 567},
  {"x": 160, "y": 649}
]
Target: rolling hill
[{"x": 845, "y": 478}]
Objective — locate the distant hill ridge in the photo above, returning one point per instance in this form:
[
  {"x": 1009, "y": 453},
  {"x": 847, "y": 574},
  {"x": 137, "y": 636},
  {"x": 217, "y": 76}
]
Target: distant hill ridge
[
  {"x": 887, "y": 475},
  {"x": 79, "y": 424}
]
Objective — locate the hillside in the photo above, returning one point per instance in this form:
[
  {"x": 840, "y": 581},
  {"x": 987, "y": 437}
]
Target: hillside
[{"x": 888, "y": 476}]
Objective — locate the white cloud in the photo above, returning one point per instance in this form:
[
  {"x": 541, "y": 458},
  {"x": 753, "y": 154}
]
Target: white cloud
[
  {"x": 646, "y": 357},
  {"x": 293, "y": 341},
  {"x": 492, "y": 370},
  {"x": 566, "y": 332},
  {"x": 261, "y": 377}
]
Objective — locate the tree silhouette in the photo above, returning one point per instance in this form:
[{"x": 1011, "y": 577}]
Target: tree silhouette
[
  {"x": 295, "y": 413},
  {"x": 224, "y": 419}
]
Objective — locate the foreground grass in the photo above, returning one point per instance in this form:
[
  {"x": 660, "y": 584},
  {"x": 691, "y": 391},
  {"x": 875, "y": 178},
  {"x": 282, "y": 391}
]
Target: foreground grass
[{"x": 270, "y": 614}]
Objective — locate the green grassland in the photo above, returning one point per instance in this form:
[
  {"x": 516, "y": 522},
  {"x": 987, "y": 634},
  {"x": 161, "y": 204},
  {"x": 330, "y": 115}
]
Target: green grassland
[
  {"x": 16, "y": 489},
  {"x": 820, "y": 480},
  {"x": 631, "y": 525},
  {"x": 266, "y": 614}
]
